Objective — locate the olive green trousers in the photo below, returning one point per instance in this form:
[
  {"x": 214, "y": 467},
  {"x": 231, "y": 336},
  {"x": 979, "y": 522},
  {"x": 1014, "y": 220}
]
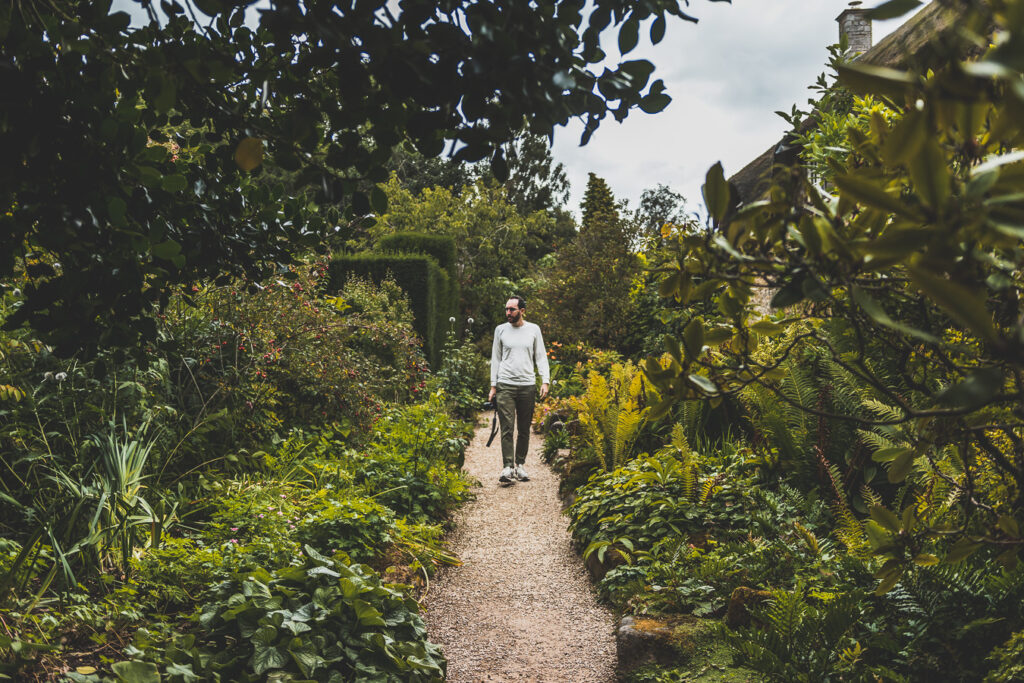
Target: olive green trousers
[{"x": 515, "y": 409}]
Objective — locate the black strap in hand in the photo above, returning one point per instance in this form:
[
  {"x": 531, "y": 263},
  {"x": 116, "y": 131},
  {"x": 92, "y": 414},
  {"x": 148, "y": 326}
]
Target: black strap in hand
[{"x": 494, "y": 428}]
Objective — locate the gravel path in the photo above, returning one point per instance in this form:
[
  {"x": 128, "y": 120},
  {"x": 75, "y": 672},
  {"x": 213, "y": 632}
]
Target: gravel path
[{"x": 521, "y": 607}]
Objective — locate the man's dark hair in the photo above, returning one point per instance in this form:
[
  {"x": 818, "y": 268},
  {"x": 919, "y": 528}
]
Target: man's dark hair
[{"x": 520, "y": 301}]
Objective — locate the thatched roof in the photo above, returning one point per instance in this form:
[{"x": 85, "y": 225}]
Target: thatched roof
[{"x": 911, "y": 45}]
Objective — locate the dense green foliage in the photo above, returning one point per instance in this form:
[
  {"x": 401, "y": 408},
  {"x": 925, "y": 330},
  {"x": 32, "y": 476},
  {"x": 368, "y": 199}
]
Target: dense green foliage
[
  {"x": 431, "y": 294},
  {"x": 587, "y": 293},
  {"x": 842, "y": 479},
  {"x": 133, "y": 157},
  {"x": 186, "y": 503}
]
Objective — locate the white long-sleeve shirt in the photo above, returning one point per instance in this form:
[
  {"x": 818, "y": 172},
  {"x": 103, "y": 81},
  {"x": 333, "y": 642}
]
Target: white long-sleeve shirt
[{"x": 515, "y": 352}]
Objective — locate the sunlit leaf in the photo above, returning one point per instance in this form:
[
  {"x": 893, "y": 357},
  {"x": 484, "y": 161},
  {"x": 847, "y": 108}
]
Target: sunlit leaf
[{"x": 249, "y": 153}]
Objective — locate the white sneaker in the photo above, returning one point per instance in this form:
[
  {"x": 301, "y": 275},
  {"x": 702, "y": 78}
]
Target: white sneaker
[
  {"x": 506, "y": 475},
  {"x": 521, "y": 474}
]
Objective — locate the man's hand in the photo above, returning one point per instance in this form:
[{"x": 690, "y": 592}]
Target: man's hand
[
  {"x": 494, "y": 392},
  {"x": 543, "y": 391}
]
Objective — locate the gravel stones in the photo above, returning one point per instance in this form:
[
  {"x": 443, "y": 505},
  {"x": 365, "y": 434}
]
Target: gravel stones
[{"x": 520, "y": 608}]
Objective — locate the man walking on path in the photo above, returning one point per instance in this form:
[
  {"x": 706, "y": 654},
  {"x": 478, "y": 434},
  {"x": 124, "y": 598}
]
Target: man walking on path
[{"x": 518, "y": 349}]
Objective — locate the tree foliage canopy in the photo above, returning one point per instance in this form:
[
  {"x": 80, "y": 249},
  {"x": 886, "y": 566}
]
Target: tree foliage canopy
[
  {"x": 130, "y": 155},
  {"x": 905, "y": 273}
]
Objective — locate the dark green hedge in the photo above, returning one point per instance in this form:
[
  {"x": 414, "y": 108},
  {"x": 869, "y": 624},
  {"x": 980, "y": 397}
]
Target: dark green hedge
[
  {"x": 428, "y": 286},
  {"x": 441, "y": 247}
]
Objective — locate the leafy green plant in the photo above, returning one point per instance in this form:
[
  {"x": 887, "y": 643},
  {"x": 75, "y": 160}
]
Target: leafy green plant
[
  {"x": 613, "y": 411},
  {"x": 324, "y": 620},
  {"x": 462, "y": 375},
  {"x": 800, "y": 641}
]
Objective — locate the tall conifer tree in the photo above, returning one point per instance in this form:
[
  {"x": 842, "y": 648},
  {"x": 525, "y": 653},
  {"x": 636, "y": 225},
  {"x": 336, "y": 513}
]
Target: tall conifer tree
[{"x": 591, "y": 282}]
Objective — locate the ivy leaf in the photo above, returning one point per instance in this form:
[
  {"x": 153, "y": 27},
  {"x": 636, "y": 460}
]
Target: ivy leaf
[{"x": 367, "y": 614}]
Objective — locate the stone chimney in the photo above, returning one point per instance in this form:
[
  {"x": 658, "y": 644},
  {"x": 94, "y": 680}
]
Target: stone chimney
[{"x": 856, "y": 27}]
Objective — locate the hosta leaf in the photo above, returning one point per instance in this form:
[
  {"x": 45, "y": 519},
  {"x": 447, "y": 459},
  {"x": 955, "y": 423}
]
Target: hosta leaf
[{"x": 268, "y": 658}]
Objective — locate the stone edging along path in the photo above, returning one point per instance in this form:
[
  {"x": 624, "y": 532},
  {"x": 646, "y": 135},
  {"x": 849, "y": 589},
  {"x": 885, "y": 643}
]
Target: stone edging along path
[{"x": 521, "y": 606}]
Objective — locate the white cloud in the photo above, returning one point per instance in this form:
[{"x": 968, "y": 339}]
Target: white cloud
[{"x": 727, "y": 75}]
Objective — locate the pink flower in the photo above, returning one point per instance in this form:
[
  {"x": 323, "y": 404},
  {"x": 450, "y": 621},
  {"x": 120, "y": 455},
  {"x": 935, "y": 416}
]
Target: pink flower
[
  {"x": 234, "y": 528},
  {"x": 283, "y": 496},
  {"x": 234, "y": 540},
  {"x": 270, "y": 507},
  {"x": 261, "y": 515}
]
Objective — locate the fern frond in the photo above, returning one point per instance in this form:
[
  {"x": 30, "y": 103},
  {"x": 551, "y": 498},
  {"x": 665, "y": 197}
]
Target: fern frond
[
  {"x": 808, "y": 537},
  {"x": 883, "y": 411},
  {"x": 875, "y": 440}
]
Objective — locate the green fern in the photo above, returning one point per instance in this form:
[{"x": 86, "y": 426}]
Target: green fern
[{"x": 798, "y": 641}]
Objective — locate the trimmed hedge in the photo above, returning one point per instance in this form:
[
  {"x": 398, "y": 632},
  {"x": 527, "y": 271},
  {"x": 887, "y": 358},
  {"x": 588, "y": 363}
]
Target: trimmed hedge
[
  {"x": 441, "y": 247},
  {"x": 428, "y": 286}
]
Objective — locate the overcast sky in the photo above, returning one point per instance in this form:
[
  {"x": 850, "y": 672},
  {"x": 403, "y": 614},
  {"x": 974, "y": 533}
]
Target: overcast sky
[{"x": 726, "y": 74}]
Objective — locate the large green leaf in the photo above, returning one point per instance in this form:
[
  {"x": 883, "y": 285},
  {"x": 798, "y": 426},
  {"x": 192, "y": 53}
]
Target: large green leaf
[
  {"x": 717, "y": 193},
  {"x": 136, "y": 672},
  {"x": 930, "y": 175},
  {"x": 878, "y": 314},
  {"x": 865, "y": 79},
  {"x": 906, "y": 138},
  {"x": 268, "y": 658},
  {"x": 872, "y": 192},
  {"x": 892, "y": 9},
  {"x": 964, "y": 305},
  {"x": 976, "y": 390}
]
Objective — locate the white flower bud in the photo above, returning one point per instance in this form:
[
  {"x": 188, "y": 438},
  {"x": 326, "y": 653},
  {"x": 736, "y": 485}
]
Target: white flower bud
[
  {"x": 451, "y": 319},
  {"x": 470, "y": 321},
  {"x": 61, "y": 376}
]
